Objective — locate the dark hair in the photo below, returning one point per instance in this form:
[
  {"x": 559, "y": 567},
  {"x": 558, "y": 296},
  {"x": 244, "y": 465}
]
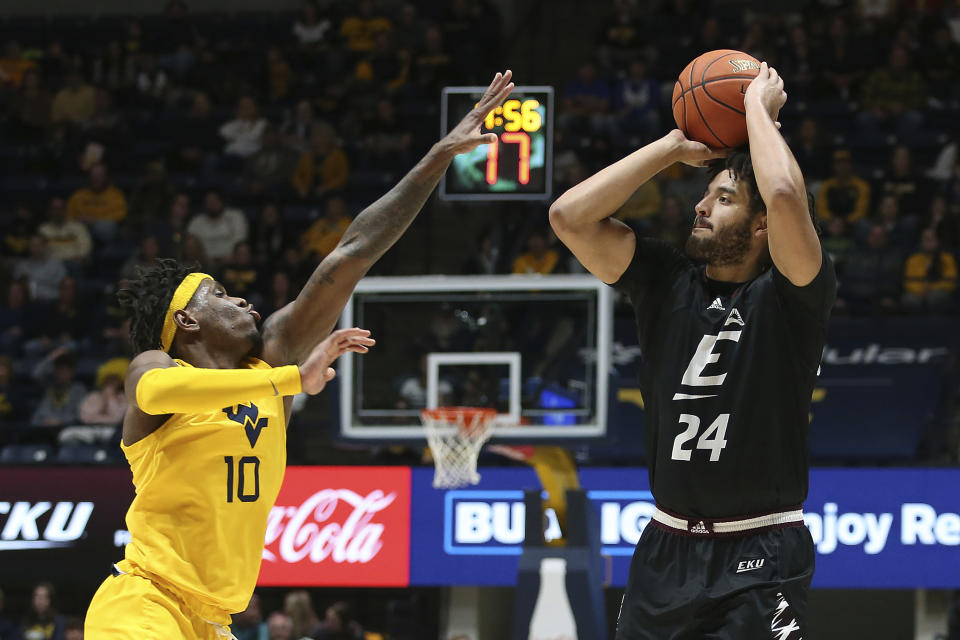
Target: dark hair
[
  {"x": 31, "y": 616},
  {"x": 73, "y": 624},
  {"x": 740, "y": 165},
  {"x": 146, "y": 299}
]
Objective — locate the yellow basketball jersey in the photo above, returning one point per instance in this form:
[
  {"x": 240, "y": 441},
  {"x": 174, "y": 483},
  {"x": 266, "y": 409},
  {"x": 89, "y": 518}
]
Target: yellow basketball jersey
[{"x": 205, "y": 484}]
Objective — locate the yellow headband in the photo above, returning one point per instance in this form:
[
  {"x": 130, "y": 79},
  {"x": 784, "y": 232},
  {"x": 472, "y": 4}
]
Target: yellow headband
[{"x": 181, "y": 297}]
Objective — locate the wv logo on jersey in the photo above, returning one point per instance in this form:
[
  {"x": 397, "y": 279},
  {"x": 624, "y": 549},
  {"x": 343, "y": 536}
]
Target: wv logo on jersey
[
  {"x": 250, "y": 418},
  {"x": 706, "y": 355}
]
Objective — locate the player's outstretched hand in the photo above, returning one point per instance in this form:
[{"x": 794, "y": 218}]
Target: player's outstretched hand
[
  {"x": 693, "y": 153},
  {"x": 315, "y": 372},
  {"x": 766, "y": 90},
  {"x": 466, "y": 136}
]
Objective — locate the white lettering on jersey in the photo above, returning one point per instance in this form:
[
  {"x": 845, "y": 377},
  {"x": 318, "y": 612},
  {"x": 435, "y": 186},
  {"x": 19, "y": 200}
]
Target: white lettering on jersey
[
  {"x": 705, "y": 355},
  {"x": 716, "y": 304}
]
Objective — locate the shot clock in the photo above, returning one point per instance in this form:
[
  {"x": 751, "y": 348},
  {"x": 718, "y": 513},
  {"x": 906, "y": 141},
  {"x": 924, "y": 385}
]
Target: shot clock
[{"x": 519, "y": 166}]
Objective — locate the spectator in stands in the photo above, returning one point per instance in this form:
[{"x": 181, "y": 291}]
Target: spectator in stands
[
  {"x": 901, "y": 229},
  {"x": 42, "y": 621},
  {"x": 586, "y": 102},
  {"x": 385, "y": 67},
  {"x": 240, "y": 274},
  {"x": 642, "y": 205},
  {"x": 539, "y": 257},
  {"x": 688, "y": 187},
  {"x": 941, "y": 62},
  {"x": 249, "y": 624},
  {"x": 152, "y": 195},
  {"x": 893, "y": 95},
  {"x": 73, "y": 629},
  {"x": 107, "y": 126},
  {"x": 61, "y": 323},
  {"x": 42, "y": 271},
  {"x": 278, "y": 294},
  {"x": 18, "y": 231},
  {"x": 298, "y": 128},
  {"x": 872, "y": 276},
  {"x": 196, "y": 137},
  {"x": 298, "y": 606},
  {"x": 144, "y": 258},
  {"x": 930, "y": 276},
  {"x": 107, "y": 403},
  {"x": 67, "y": 240},
  {"x": 359, "y": 29},
  {"x": 324, "y": 168},
  {"x": 810, "y": 150},
  {"x": 100, "y": 205},
  {"x": 192, "y": 251},
  {"x": 12, "y": 410},
  {"x": 279, "y": 626},
  {"x": 243, "y": 133},
  {"x": 485, "y": 259},
  {"x": 279, "y": 75},
  {"x": 339, "y": 622},
  {"x": 902, "y": 181},
  {"x": 15, "y": 316},
  {"x": 946, "y": 223},
  {"x": 844, "y": 194},
  {"x": 29, "y": 109},
  {"x": 432, "y": 63},
  {"x": 836, "y": 242},
  {"x": 170, "y": 231},
  {"x": 14, "y": 66},
  {"x": 113, "y": 69},
  {"x": 623, "y": 35},
  {"x": 269, "y": 235},
  {"x": 152, "y": 83},
  {"x": 310, "y": 29},
  {"x": 841, "y": 61},
  {"x": 388, "y": 141},
  {"x": 61, "y": 400},
  {"x": 637, "y": 101},
  {"x": 268, "y": 170},
  {"x": 9, "y": 630},
  {"x": 218, "y": 228},
  {"x": 75, "y": 103},
  {"x": 408, "y": 31},
  {"x": 800, "y": 63},
  {"x": 324, "y": 234}
]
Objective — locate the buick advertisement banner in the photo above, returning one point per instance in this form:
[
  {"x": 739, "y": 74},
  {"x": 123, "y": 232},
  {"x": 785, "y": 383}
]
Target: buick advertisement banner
[
  {"x": 388, "y": 526},
  {"x": 897, "y": 528}
]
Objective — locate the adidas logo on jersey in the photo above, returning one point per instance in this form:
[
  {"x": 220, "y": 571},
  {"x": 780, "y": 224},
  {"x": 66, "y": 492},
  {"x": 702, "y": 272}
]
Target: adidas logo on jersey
[
  {"x": 700, "y": 527},
  {"x": 716, "y": 304}
]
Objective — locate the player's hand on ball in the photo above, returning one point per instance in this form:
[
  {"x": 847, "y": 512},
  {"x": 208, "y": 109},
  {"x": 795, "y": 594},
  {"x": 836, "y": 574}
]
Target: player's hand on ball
[
  {"x": 766, "y": 90},
  {"x": 315, "y": 372},
  {"x": 466, "y": 136},
  {"x": 691, "y": 152}
]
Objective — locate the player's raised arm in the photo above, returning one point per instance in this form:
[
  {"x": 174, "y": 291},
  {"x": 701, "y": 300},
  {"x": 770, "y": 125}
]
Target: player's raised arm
[
  {"x": 794, "y": 246},
  {"x": 290, "y": 333},
  {"x": 581, "y": 216}
]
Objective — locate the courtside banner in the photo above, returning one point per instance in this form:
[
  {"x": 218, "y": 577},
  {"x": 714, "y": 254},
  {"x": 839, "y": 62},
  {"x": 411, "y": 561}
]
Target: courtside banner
[
  {"x": 339, "y": 526},
  {"x": 64, "y": 524},
  {"x": 871, "y": 528}
]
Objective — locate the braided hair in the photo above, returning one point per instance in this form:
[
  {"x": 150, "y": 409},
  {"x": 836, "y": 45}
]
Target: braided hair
[
  {"x": 740, "y": 164},
  {"x": 146, "y": 300}
]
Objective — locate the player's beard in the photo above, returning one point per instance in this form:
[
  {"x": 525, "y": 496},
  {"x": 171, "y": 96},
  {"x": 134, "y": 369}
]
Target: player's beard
[{"x": 729, "y": 245}]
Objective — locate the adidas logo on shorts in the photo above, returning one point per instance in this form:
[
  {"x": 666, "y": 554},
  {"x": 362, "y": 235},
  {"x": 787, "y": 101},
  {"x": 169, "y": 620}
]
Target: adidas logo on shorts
[{"x": 700, "y": 527}]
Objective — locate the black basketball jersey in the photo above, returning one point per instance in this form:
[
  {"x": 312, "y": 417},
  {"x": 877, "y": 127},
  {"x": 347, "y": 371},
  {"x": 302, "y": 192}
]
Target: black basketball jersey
[{"x": 728, "y": 374}]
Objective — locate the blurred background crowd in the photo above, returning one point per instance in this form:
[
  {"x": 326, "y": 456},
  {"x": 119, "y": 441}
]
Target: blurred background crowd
[{"x": 247, "y": 142}]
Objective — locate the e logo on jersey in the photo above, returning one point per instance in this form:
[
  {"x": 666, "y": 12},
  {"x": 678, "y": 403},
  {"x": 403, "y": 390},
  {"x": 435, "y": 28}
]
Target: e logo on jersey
[
  {"x": 250, "y": 418},
  {"x": 706, "y": 355}
]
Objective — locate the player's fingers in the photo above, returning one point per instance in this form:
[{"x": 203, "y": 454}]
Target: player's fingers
[
  {"x": 487, "y": 138},
  {"x": 329, "y": 374},
  {"x": 763, "y": 70},
  {"x": 358, "y": 348},
  {"x": 777, "y": 124}
]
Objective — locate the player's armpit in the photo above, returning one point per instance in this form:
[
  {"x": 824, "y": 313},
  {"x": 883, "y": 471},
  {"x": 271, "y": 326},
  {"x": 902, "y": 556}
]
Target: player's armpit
[
  {"x": 175, "y": 389},
  {"x": 604, "y": 248}
]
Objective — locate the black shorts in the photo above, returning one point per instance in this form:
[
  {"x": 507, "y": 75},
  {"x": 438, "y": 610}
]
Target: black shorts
[{"x": 748, "y": 587}]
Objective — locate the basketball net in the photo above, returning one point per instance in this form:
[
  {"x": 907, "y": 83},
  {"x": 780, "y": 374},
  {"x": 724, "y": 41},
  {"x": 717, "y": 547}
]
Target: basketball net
[{"x": 455, "y": 436}]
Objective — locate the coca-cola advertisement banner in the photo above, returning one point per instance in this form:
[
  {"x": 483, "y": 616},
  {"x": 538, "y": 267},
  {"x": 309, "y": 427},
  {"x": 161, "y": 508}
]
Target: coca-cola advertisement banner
[
  {"x": 61, "y": 524},
  {"x": 339, "y": 526}
]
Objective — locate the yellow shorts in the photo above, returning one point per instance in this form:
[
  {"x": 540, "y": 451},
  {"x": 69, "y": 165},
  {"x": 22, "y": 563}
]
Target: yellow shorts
[{"x": 129, "y": 606}]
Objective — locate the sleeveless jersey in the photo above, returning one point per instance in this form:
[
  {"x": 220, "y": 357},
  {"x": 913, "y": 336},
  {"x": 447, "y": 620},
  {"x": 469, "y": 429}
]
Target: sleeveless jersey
[
  {"x": 205, "y": 484},
  {"x": 727, "y": 376}
]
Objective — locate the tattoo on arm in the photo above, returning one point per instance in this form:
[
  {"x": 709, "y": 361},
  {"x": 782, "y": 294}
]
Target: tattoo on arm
[{"x": 383, "y": 222}]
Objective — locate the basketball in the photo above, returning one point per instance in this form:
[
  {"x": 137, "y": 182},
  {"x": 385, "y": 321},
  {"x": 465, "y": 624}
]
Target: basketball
[{"x": 708, "y": 97}]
